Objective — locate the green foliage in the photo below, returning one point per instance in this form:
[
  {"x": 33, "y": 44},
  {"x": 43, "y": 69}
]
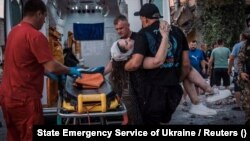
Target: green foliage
[{"x": 223, "y": 19}]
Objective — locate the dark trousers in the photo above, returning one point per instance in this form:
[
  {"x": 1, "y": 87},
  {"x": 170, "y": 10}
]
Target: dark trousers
[
  {"x": 212, "y": 83},
  {"x": 158, "y": 103},
  {"x": 20, "y": 116},
  {"x": 221, "y": 73}
]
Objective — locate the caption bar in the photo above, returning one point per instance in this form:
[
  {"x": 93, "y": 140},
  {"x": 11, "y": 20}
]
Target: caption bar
[{"x": 109, "y": 133}]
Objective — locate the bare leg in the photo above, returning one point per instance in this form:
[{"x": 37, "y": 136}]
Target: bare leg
[
  {"x": 190, "y": 90},
  {"x": 197, "y": 79},
  {"x": 197, "y": 107}
]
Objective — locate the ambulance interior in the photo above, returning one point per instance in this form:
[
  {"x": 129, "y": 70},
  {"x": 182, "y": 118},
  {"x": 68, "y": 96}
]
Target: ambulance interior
[
  {"x": 64, "y": 18},
  {"x": 86, "y": 26}
]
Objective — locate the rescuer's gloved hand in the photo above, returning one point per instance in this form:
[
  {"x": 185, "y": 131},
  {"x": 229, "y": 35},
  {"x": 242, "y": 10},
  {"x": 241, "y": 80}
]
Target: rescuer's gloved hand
[{"x": 73, "y": 71}]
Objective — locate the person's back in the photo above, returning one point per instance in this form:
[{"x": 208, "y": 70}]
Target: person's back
[
  {"x": 169, "y": 73},
  {"x": 221, "y": 55},
  {"x": 162, "y": 92}
]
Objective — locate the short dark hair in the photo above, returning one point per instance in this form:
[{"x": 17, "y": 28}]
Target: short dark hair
[
  {"x": 32, "y": 6},
  {"x": 120, "y": 18},
  {"x": 220, "y": 41}
]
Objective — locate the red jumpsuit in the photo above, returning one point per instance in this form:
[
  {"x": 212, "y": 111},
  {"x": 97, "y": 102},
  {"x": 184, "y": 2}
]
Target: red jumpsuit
[{"x": 21, "y": 88}]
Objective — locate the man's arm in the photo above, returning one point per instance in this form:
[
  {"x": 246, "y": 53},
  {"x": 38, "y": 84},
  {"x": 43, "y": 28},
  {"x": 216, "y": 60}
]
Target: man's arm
[
  {"x": 186, "y": 67},
  {"x": 185, "y": 62},
  {"x": 140, "y": 47},
  {"x": 230, "y": 64},
  {"x": 134, "y": 62},
  {"x": 160, "y": 57},
  {"x": 203, "y": 65},
  {"x": 55, "y": 67},
  {"x": 210, "y": 62}
]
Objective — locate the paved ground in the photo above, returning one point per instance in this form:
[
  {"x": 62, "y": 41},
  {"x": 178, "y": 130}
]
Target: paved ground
[{"x": 225, "y": 116}]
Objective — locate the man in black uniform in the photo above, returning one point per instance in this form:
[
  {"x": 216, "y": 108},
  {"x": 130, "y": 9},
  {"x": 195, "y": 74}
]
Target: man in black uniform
[{"x": 162, "y": 91}]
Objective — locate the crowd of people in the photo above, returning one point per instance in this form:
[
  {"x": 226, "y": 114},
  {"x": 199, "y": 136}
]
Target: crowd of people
[{"x": 150, "y": 70}]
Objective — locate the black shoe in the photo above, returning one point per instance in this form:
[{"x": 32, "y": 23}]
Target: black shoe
[
  {"x": 236, "y": 108},
  {"x": 1, "y": 124}
]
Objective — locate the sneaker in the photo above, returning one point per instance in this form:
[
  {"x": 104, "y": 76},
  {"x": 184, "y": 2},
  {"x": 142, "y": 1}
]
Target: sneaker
[
  {"x": 216, "y": 90},
  {"x": 221, "y": 95},
  {"x": 213, "y": 92},
  {"x": 202, "y": 110}
]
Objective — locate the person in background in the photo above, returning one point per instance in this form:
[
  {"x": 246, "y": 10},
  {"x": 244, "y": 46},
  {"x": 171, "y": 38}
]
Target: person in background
[
  {"x": 196, "y": 57},
  {"x": 244, "y": 73},
  {"x": 162, "y": 91},
  {"x": 220, "y": 57},
  {"x": 203, "y": 48},
  {"x": 27, "y": 57},
  {"x": 211, "y": 69},
  {"x": 233, "y": 62}
]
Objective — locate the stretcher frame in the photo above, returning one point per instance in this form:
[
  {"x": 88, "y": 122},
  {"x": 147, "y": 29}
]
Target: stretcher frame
[{"x": 75, "y": 118}]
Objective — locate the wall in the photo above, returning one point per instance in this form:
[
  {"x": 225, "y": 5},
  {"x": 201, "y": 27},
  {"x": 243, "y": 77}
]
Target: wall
[
  {"x": 94, "y": 53},
  {"x": 1, "y": 9},
  {"x": 133, "y": 6}
]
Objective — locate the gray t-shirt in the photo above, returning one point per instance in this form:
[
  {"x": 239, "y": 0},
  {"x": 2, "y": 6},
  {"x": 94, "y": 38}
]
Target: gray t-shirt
[{"x": 220, "y": 55}]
